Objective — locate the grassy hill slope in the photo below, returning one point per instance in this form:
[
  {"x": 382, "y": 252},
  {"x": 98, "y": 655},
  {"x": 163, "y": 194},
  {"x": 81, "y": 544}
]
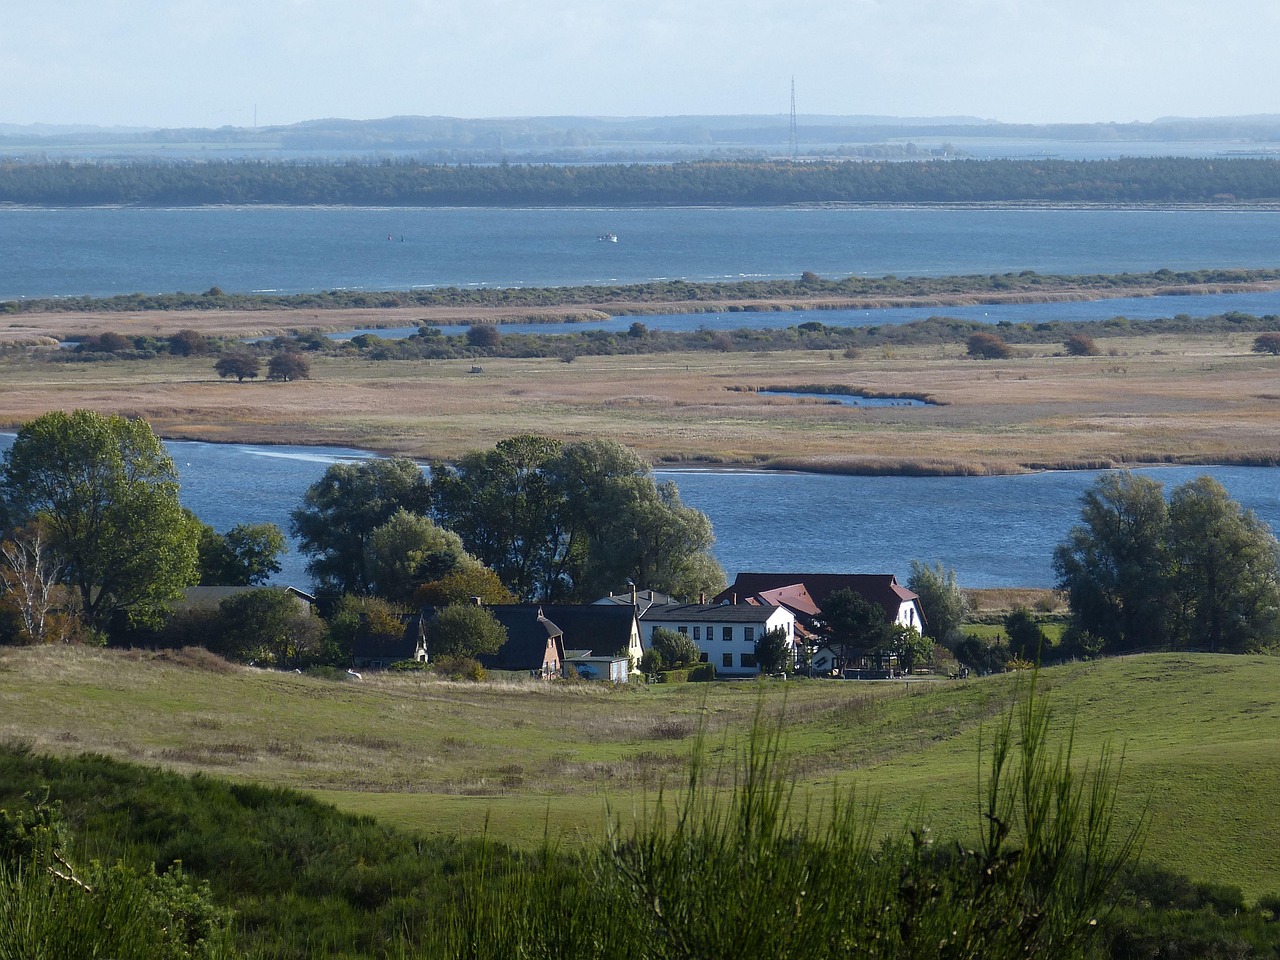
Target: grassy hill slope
[{"x": 1198, "y": 735}]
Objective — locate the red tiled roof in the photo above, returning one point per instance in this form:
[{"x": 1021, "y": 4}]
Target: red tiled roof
[{"x": 880, "y": 588}]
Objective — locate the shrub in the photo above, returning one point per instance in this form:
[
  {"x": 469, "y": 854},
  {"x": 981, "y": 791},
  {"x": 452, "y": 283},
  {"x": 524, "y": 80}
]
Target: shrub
[
  {"x": 702, "y": 673},
  {"x": 1267, "y": 343},
  {"x": 987, "y": 346},
  {"x": 1081, "y": 345},
  {"x": 1026, "y": 640},
  {"x": 188, "y": 343},
  {"x": 458, "y": 668},
  {"x": 676, "y": 648},
  {"x": 484, "y": 336}
]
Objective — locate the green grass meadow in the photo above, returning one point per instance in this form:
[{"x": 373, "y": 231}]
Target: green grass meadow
[{"x": 1198, "y": 737}]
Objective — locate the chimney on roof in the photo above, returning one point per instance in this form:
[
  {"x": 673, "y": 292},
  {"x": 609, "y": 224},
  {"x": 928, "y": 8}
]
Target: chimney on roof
[
  {"x": 733, "y": 598},
  {"x": 702, "y": 598},
  {"x": 634, "y": 600}
]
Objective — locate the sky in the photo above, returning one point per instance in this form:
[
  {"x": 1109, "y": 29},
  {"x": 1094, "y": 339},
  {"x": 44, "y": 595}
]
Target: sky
[{"x": 210, "y": 63}]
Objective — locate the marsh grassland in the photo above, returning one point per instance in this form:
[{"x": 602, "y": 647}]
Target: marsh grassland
[
  {"x": 1198, "y": 735},
  {"x": 1151, "y": 399}
]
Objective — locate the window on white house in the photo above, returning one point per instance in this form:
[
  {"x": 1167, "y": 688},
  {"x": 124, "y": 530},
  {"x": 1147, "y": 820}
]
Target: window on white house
[
  {"x": 726, "y": 660},
  {"x": 749, "y": 634},
  {"x": 727, "y": 633},
  {"x": 697, "y": 633},
  {"x": 748, "y": 659},
  {"x": 683, "y": 629}
]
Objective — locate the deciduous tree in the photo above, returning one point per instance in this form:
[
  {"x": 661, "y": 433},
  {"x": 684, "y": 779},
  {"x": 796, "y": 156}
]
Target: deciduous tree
[
  {"x": 1113, "y": 566},
  {"x": 464, "y": 630},
  {"x": 774, "y": 653},
  {"x": 408, "y": 551},
  {"x": 987, "y": 346},
  {"x": 341, "y": 510},
  {"x": 30, "y": 589},
  {"x": 943, "y": 603},
  {"x": 269, "y": 627},
  {"x": 240, "y": 364},
  {"x": 247, "y": 554},
  {"x": 1081, "y": 345},
  {"x": 1225, "y": 571},
  {"x": 1267, "y": 343},
  {"x": 855, "y": 626},
  {"x": 286, "y": 365},
  {"x": 1196, "y": 572},
  {"x": 509, "y": 514},
  {"x": 463, "y": 585},
  {"x": 573, "y": 522},
  {"x": 107, "y": 494}
]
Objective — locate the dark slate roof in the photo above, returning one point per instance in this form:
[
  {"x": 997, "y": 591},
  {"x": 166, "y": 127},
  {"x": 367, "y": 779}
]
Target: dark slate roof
[
  {"x": 528, "y": 630},
  {"x": 644, "y": 599},
  {"x": 711, "y": 612},
  {"x": 604, "y": 629},
  {"x": 200, "y": 598},
  {"x": 879, "y": 588}
]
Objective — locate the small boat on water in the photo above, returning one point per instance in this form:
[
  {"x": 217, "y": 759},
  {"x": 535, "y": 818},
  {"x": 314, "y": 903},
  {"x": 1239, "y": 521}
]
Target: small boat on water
[{"x": 608, "y": 237}]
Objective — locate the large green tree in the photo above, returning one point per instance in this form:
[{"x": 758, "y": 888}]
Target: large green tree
[
  {"x": 1195, "y": 572},
  {"x": 624, "y": 526},
  {"x": 1113, "y": 565},
  {"x": 246, "y": 555},
  {"x": 106, "y": 493},
  {"x": 944, "y": 604},
  {"x": 408, "y": 551},
  {"x": 855, "y": 625},
  {"x": 342, "y": 509},
  {"x": 269, "y": 627},
  {"x": 1225, "y": 571},
  {"x": 573, "y": 522},
  {"x": 509, "y": 513}
]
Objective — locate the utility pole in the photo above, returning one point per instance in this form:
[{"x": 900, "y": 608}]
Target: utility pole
[{"x": 795, "y": 144}]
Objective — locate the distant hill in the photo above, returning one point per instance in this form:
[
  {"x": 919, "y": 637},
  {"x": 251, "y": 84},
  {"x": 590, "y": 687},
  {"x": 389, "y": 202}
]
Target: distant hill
[{"x": 570, "y": 139}]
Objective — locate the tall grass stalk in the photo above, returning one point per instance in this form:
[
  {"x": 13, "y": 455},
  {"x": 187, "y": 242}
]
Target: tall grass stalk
[{"x": 754, "y": 874}]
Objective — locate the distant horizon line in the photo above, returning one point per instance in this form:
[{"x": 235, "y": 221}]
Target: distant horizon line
[{"x": 38, "y": 128}]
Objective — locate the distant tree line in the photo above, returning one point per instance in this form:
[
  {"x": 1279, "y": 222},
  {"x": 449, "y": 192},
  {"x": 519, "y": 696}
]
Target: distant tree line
[
  {"x": 412, "y": 183},
  {"x": 287, "y": 357}
]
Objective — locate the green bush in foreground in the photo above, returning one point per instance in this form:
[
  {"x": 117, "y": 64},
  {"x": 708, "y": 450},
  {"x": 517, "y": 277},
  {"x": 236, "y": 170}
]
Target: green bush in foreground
[{"x": 51, "y": 911}]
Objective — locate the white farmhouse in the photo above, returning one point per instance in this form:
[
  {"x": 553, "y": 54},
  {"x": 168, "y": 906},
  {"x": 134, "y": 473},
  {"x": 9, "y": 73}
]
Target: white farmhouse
[{"x": 726, "y": 633}]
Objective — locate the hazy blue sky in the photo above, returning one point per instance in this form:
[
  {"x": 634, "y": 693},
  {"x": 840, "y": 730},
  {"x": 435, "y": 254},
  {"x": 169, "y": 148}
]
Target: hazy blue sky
[{"x": 209, "y": 62}]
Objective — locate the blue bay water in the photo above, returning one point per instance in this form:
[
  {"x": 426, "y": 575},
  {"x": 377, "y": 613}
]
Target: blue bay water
[
  {"x": 995, "y": 531},
  {"x": 105, "y": 251}
]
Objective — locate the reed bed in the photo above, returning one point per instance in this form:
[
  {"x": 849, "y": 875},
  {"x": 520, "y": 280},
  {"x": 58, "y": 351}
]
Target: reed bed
[{"x": 1183, "y": 399}]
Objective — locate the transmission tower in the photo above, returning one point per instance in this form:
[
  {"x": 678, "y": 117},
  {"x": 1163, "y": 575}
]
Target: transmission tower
[{"x": 794, "y": 142}]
